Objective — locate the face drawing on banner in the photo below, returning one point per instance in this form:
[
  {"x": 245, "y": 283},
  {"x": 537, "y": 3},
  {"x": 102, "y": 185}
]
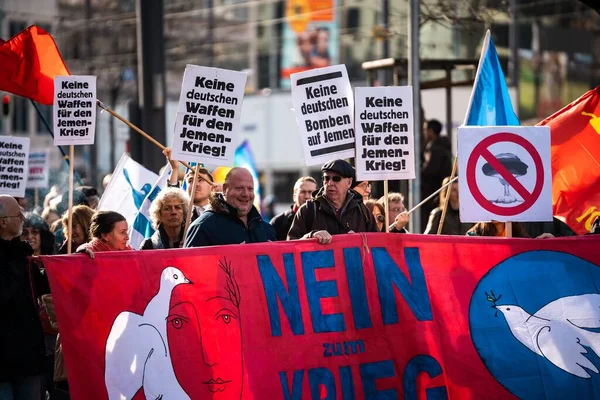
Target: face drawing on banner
[
  {"x": 136, "y": 355},
  {"x": 205, "y": 336},
  {"x": 552, "y": 330}
]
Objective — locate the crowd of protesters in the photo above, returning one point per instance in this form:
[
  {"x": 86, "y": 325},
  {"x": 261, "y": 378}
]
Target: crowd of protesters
[{"x": 30, "y": 342}]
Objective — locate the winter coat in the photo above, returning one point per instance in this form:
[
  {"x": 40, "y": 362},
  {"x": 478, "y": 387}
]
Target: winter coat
[
  {"x": 282, "y": 223},
  {"x": 22, "y": 348},
  {"x": 318, "y": 214},
  {"x": 452, "y": 224},
  {"x": 160, "y": 240},
  {"x": 220, "y": 225}
]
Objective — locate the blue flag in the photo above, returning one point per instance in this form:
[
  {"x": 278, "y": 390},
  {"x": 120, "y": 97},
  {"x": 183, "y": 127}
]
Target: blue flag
[{"x": 490, "y": 103}]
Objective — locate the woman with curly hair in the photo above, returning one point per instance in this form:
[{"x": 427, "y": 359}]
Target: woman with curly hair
[{"x": 168, "y": 213}]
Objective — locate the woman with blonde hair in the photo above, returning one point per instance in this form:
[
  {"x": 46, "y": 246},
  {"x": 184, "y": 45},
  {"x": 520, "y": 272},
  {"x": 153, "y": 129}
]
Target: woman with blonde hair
[
  {"x": 82, "y": 217},
  {"x": 168, "y": 213}
]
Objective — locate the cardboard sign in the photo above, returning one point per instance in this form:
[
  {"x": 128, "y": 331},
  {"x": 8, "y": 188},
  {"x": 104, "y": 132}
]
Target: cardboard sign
[
  {"x": 504, "y": 174},
  {"x": 74, "y": 110},
  {"x": 384, "y": 133},
  {"x": 38, "y": 170},
  {"x": 14, "y": 160},
  {"x": 207, "y": 124},
  {"x": 324, "y": 105}
]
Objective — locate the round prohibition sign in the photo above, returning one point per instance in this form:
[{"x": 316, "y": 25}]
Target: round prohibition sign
[{"x": 482, "y": 150}]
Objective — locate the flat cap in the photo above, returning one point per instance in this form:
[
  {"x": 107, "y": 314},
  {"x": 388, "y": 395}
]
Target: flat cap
[{"x": 340, "y": 166}]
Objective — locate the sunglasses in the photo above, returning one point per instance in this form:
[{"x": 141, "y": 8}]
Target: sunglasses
[
  {"x": 380, "y": 218},
  {"x": 336, "y": 178}
]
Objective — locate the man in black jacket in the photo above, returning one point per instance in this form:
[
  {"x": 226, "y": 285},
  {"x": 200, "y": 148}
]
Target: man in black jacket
[
  {"x": 232, "y": 217},
  {"x": 22, "y": 350},
  {"x": 303, "y": 189}
]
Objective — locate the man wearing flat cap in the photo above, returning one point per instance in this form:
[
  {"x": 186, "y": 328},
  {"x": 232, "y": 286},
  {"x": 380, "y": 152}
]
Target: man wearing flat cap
[{"x": 334, "y": 209}]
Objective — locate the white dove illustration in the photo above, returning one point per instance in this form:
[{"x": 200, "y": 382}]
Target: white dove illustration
[
  {"x": 558, "y": 332},
  {"x": 137, "y": 351}
]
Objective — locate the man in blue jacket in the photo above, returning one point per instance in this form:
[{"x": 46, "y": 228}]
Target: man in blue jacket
[{"x": 232, "y": 217}]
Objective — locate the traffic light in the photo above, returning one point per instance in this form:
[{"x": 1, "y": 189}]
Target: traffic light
[{"x": 5, "y": 106}]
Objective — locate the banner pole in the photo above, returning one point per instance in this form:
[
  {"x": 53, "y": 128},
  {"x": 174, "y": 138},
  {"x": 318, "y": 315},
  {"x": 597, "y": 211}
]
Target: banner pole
[
  {"x": 387, "y": 205},
  {"x": 36, "y": 198},
  {"x": 452, "y": 175},
  {"x": 188, "y": 218},
  {"x": 428, "y": 198},
  {"x": 70, "y": 217},
  {"x": 135, "y": 128},
  {"x": 65, "y": 157},
  {"x": 508, "y": 229}
]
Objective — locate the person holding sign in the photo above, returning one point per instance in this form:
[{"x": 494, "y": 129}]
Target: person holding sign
[
  {"x": 232, "y": 217},
  {"x": 335, "y": 209},
  {"x": 204, "y": 185}
]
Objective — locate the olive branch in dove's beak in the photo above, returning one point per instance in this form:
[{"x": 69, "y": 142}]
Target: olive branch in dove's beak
[{"x": 493, "y": 299}]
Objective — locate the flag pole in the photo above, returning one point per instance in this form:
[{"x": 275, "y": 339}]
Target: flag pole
[
  {"x": 65, "y": 157},
  {"x": 387, "y": 205},
  {"x": 431, "y": 196},
  {"x": 70, "y": 217},
  {"x": 135, "y": 128},
  {"x": 188, "y": 218},
  {"x": 508, "y": 230}
]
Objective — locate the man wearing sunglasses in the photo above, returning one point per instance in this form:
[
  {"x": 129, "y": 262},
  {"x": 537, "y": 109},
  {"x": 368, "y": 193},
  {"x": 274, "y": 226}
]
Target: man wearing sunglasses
[
  {"x": 22, "y": 369},
  {"x": 335, "y": 209}
]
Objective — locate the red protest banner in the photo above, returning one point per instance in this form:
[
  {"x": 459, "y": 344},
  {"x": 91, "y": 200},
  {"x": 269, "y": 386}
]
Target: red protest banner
[{"x": 371, "y": 316}]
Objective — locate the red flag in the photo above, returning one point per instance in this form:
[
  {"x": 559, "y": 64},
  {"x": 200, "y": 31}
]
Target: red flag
[
  {"x": 29, "y": 62},
  {"x": 575, "y": 134}
]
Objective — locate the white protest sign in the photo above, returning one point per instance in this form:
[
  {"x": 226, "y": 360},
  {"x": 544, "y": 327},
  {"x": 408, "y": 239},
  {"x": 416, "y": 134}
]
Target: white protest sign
[
  {"x": 324, "y": 107},
  {"x": 14, "y": 160},
  {"x": 504, "y": 174},
  {"x": 38, "y": 170},
  {"x": 384, "y": 133},
  {"x": 74, "y": 110},
  {"x": 207, "y": 124}
]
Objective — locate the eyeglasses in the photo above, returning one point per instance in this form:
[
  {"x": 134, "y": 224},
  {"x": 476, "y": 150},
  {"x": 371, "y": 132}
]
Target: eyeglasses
[
  {"x": 364, "y": 186},
  {"x": 380, "y": 218},
  {"x": 335, "y": 178},
  {"x": 397, "y": 209},
  {"x": 15, "y": 216}
]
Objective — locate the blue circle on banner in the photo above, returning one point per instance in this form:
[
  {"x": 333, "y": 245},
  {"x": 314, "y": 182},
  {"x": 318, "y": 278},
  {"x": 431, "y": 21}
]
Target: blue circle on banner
[{"x": 535, "y": 322}]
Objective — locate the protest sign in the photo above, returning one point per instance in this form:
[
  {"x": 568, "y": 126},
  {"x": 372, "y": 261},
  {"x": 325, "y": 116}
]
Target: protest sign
[
  {"x": 324, "y": 108},
  {"x": 74, "y": 109},
  {"x": 384, "y": 133},
  {"x": 207, "y": 124},
  {"x": 505, "y": 174},
  {"x": 38, "y": 170},
  {"x": 14, "y": 160},
  {"x": 374, "y": 316}
]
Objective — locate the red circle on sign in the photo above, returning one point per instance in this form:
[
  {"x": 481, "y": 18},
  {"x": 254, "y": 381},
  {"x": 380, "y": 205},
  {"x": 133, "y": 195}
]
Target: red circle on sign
[{"x": 481, "y": 149}]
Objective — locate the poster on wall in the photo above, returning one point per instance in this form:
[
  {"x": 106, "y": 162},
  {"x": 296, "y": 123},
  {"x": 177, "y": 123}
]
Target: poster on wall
[{"x": 310, "y": 37}]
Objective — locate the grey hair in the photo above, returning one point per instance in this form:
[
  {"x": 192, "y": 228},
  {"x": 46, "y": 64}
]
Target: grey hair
[{"x": 163, "y": 196}]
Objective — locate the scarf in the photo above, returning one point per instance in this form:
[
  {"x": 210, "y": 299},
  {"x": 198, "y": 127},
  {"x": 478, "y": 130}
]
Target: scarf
[{"x": 97, "y": 245}]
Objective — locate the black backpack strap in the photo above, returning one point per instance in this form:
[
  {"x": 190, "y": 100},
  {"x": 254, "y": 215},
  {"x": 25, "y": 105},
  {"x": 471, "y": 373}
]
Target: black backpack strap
[{"x": 311, "y": 214}]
